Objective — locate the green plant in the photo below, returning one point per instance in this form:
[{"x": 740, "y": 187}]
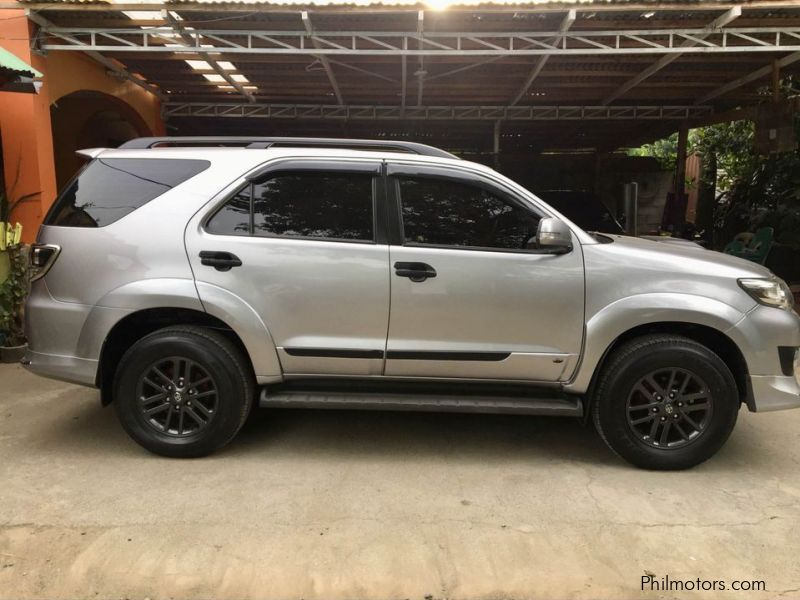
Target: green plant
[
  {"x": 14, "y": 287},
  {"x": 751, "y": 190},
  {"x": 12, "y": 295}
]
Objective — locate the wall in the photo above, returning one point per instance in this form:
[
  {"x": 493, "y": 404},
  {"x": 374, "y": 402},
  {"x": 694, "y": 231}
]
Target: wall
[
  {"x": 603, "y": 174},
  {"x": 25, "y": 123}
]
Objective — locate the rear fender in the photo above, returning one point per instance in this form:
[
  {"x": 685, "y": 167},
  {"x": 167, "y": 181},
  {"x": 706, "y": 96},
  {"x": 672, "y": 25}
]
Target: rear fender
[
  {"x": 182, "y": 293},
  {"x": 241, "y": 317}
]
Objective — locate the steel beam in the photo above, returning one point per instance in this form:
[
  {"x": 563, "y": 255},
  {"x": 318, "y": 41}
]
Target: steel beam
[
  {"x": 321, "y": 57},
  {"x": 188, "y": 37},
  {"x": 437, "y": 113},
  {"x": 386, "y": 43},
  {"x": 754, "y": 76},
  {"x": 108, "y": 63},
  {"x": 566, "y": 23},
  {"x": 377, "y": 9},
  {"x": 726, "y": 18}
]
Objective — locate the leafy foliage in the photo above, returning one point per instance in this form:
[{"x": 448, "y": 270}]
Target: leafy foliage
[
  {"x": 752, "y": 190},
  {"x": 14, "y": 289},
  {"x": 12, "y": 296}
]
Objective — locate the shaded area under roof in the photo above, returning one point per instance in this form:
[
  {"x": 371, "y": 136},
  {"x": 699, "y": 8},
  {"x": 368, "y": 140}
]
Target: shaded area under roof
[{"x": 541, "y": 76}]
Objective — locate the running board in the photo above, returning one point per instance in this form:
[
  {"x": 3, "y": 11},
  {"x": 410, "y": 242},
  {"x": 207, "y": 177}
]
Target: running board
[{"x": 565, "y": 406}]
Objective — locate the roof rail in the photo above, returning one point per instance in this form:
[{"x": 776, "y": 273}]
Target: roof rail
[{"x": 267, "y": 142}]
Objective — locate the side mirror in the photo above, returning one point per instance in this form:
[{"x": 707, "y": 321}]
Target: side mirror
[{"x": 553, "y": 234}]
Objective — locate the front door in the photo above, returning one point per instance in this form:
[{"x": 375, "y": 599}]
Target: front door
[
  {"x": 314, "y": 266},
  {"x": 469, "y": 299}
]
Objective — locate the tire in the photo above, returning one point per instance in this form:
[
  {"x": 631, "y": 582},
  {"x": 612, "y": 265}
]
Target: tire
[
  {"x": 195, "y": 415},
  {"x": 698, "y": 416}
]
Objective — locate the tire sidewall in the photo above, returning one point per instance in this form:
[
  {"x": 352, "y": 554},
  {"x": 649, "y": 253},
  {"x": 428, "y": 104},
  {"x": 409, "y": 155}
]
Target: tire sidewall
[
  {"x": 624, "y": 375},
  {"x": 231, "y": 393}
]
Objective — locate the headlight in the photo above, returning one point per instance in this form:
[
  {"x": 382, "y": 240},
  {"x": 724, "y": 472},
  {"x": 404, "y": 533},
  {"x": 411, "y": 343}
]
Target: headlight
[{"x": 770, "y": 292}]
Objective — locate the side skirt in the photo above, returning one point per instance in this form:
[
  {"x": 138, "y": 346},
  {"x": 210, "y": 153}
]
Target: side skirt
[{"x": 427, "y": 398}]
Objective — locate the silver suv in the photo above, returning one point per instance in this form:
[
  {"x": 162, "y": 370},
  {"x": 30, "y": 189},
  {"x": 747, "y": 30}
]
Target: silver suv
[{"x": 188, "y": 278}]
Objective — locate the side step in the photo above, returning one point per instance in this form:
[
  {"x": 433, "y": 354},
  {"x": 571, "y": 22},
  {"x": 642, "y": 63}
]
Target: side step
[{"x": 564, "y": 406}]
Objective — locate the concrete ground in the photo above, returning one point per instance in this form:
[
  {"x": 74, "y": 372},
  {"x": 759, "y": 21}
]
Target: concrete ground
[{"x": 350, "y": 505}]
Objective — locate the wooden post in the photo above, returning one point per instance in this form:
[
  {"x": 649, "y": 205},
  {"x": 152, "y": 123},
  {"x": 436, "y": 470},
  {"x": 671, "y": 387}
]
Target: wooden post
[
  {"x": 496, "y": 144},
  {"x": 680, "y": 164},
  {"x": 677, "y": 211},
  {"x": 776, "y": 81}
]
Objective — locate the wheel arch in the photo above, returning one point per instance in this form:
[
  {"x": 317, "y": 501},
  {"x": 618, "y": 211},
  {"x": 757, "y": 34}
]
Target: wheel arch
[
  {"x": 713, "y": 339},
  {"x": 700, "y": 318},
  {"x": 134, "y": 326}
]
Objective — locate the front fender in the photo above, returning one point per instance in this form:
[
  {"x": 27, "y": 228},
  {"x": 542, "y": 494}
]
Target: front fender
[{"x": 606, "y": 325}]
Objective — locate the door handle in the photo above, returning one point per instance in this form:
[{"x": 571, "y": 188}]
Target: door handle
[
  {"x": 221, "y": 261},
  {"x": 415, "y": 271}
]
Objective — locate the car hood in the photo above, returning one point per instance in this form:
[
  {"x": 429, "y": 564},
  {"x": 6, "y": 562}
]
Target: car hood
[
  {"x": 665, "y": 239},
  {"x": 689, "y": 258}
]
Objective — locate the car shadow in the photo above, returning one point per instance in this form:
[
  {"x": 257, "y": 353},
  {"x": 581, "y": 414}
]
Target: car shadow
[
  {"x": 89, "y": 427},
  {"x": 385, "y": 435},
  {"x": 395, "y": 435}
]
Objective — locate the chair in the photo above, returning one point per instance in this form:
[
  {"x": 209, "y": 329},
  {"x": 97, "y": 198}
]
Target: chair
[{"x": 754, "y": 247}]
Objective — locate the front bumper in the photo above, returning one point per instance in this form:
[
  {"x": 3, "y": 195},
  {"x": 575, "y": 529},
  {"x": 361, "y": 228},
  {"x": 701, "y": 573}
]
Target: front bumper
[
  {"x": 772, "y": 392},
  {"x": 760, "y": 335}
]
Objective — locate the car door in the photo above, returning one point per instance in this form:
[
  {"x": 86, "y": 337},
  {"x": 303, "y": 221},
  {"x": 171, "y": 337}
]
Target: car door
[
  {"x": 314, "y": 261},
  {"x": 469, "y": 298}
]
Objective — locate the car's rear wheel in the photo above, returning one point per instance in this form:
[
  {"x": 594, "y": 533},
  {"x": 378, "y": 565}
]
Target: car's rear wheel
[
  {"x": 183, "y": 391},
  {"x": 665, "y": 402}
]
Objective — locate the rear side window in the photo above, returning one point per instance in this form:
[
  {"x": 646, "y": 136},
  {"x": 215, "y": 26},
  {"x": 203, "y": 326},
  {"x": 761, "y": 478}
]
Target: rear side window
[
  {"x": 110, "y": 188},
  {"x": 301, "y": 204}
]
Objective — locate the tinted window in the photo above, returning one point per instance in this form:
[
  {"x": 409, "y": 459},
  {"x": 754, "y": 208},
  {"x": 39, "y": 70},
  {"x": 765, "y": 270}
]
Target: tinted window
[
  {"x": 302, "y": 204},
  {"x": 234, "y": 216},
  {"x": 443, "y": 212},
  {"x": 110, "y": 188}
]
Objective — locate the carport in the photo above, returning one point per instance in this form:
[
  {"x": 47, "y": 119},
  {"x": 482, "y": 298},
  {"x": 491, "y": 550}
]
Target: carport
[
  {"x": 538, "y": 76},
  {"x": 514, "y": 84}
]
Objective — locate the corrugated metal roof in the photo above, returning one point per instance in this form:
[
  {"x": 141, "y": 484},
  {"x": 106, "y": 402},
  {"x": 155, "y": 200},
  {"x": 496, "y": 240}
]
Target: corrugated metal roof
[
  {"x": 11, "y": 64},
  {"x": 476, "y": 4}
]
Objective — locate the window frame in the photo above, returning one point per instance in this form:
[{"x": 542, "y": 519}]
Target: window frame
[
  {"x": 397, "y": 234},
  {"x": 264, "y": 172}
]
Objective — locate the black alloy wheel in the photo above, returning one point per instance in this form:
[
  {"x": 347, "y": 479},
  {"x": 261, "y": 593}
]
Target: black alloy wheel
[{"x": 670, "y": 408}]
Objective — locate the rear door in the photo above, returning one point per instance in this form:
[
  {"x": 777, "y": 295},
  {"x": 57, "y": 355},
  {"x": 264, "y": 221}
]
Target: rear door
[
  {"x": 469, "y": 298},
  {"x": 314, "y": 261}
]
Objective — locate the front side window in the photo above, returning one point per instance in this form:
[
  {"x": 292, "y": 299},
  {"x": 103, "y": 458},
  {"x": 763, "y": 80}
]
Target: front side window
[
  {"x": 302, "y": 204},
  {"x": 445, "y": 212},
  {"x": 110, "y": 188}
]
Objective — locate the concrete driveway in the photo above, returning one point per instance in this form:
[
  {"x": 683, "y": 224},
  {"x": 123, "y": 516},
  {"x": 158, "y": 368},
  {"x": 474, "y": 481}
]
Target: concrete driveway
[{"x": 349, "y": 505}]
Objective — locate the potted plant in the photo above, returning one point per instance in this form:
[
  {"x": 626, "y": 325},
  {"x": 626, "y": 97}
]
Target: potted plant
[{"x": 13, "y": 289}]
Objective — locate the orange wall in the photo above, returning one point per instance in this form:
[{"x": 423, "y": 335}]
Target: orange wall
[{"x": 25, "y": 127}]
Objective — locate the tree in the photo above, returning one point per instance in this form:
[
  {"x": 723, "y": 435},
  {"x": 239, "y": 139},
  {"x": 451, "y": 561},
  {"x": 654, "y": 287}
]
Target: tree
[{"x": 752, "y": 190}]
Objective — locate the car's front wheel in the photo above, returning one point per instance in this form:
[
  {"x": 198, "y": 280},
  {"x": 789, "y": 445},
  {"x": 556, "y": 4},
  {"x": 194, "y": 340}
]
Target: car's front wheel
[
  {"x": 665, "y": 402},
  {"x": 183, "y": 391}
]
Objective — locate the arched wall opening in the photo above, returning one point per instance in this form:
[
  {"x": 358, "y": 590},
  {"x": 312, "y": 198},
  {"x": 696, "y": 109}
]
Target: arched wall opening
[{"x": 90, "y": 119}]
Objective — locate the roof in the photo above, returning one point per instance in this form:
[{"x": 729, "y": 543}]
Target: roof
[
  {"x": 10, "y": 65},
  {"x": 554, "y": 75},
  {"x": 345, "y": 5}
]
